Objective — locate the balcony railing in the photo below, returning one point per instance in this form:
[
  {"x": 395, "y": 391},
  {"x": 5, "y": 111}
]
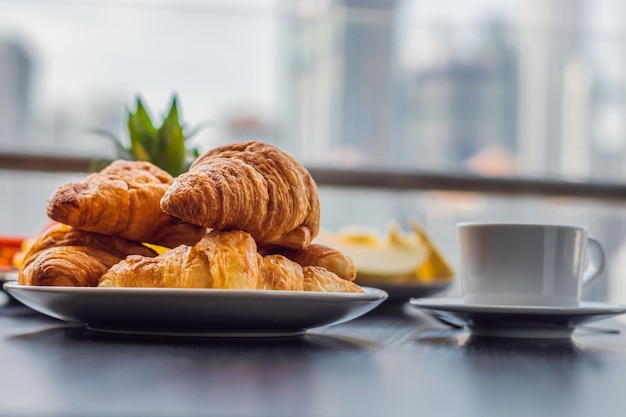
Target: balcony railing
[{"x": 388, "y": 179}]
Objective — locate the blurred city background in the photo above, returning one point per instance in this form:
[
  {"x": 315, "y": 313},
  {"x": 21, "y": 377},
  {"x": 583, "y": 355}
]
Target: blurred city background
[{"x": 532, "y": 88}]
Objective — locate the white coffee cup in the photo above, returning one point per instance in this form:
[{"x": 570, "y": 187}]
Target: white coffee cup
[{"x": 526, "y": 264}]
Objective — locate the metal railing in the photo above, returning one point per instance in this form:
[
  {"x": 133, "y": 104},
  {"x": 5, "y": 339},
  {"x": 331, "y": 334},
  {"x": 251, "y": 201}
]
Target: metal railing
[{"x": 386, "y": 179}]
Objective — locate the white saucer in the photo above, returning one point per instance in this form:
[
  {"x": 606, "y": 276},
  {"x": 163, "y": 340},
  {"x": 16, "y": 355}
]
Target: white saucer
[{"x": 518, "y": 321}]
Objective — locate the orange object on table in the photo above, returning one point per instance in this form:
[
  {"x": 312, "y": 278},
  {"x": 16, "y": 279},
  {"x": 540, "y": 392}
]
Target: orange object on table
[{"x": 9, "y": 247}]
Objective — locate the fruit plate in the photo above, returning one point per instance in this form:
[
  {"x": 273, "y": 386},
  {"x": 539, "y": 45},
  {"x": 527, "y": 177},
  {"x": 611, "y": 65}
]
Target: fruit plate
[{"x": 403, "y": 292}]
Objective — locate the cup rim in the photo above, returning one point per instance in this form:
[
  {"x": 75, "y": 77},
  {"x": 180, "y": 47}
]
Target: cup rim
[{"x": 521, "y": 225}]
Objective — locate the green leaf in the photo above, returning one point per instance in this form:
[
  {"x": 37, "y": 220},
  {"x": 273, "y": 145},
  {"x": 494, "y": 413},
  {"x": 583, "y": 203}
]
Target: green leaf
[
  {"x": 143, "y": 136},
  {"x": 172, "y": 139},
  {"x": 166, "y": 146},
  {"x": 122, "y": 151},
  {"x": 140, "y": 153},
  {"x": 174, "y": 154}
]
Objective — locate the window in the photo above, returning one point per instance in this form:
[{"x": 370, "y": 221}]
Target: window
[{"x": 514, "y": 88}]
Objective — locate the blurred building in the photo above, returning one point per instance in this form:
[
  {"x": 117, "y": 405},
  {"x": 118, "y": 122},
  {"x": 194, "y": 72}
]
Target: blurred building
[
  {"x": 460, "y": 104},
  {"x": 339, "y": 90},
  {"x": 15, "y": 84},
  {"x": 553, "y": 87}
]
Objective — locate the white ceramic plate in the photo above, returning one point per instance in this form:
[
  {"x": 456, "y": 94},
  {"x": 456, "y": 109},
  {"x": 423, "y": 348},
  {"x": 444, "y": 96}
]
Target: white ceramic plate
[
  {"x": 196, "y": 312},
  {"x": 518, "y": 321}
]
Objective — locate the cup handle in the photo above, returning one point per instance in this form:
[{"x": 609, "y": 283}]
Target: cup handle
[{"x": 596, "y": 261}]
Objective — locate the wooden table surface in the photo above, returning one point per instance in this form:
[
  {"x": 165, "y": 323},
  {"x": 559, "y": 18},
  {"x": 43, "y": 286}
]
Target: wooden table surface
[{"x": 391, "y": 362}]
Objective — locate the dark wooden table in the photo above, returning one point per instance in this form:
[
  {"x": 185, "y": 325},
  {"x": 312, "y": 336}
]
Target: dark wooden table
[{"x": 390, "y": 362}]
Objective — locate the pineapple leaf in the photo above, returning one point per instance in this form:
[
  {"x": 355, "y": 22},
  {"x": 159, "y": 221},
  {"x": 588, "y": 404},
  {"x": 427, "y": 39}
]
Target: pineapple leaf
[
  {"x": 143, "y": 135},
  {"x": 140, "y": 153},
  {"x": 173, "y": 156},
  {"x": 122, "y": 151},
  {"x": 172, "y": 140},
  {"x": 165, "y": 146}
]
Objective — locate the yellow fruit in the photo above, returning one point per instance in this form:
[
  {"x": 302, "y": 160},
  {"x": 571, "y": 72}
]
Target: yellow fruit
[
  {"x": 158, "y": 249},
  {"x": 435, "y": 267},
  {"x": 398, "y": 258}
]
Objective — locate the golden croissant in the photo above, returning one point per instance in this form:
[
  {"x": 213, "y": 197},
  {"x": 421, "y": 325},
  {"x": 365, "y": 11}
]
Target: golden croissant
[
  {"x": 222, "y": 259},
  {"x": 317, "y": 278},
  {"x": 123, "y": 200},
  {"x": 317, "y": 255},
  {"x": 249, "y": 186},
  {"x": 280, "y": 273},
  {"x": 66, "y": 256}
]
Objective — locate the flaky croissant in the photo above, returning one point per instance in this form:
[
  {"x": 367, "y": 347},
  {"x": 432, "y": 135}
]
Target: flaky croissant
[
  {"x": 317, "y": 255},
  {"x": 219, "y": 260},
  {"x": 249, "y": 186},
  {"x": 222, "y": 259},
  {"x": 279, "y": 273},
  {"x": 317, "y": 278},
  {"x": 123, "y": 200},
  {"x": 65, "y": 256}
]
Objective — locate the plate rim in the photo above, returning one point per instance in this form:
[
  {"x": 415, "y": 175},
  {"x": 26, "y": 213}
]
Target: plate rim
[
  {"x": 456, "y": 304},
  {"x": 369, "y": 294}
]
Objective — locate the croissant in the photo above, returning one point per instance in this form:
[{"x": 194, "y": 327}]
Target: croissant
[
  {"x": 317, "y": 255},
  {"x": 222, "y": 259},
  {"x": 66, "y": 256},
  {"x": 279, "y": 273},
  {"x": 249, "y": 186},
  {"x": 123, "y": 200},
  {"x": 320, "y": 279},
  {"x": 219, "y": 260}
]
